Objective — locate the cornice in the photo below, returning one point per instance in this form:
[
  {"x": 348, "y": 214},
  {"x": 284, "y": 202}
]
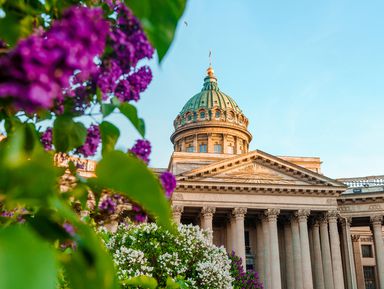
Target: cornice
[{"x": 210, "y": 124}]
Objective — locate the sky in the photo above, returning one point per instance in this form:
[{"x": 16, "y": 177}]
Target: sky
[{"x": 309, "y": 75}]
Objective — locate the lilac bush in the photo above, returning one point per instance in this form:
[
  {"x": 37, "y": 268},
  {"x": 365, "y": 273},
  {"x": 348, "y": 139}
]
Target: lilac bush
[{"x": 243, "y": 279}]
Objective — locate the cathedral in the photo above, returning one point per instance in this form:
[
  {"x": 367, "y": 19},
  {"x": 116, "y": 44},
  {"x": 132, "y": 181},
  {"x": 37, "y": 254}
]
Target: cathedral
[{"x": 298, "y": 228}]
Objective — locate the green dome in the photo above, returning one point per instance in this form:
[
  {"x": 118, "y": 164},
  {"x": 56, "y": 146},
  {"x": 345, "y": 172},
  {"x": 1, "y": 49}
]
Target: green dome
[{"x": 210, "y": 97}]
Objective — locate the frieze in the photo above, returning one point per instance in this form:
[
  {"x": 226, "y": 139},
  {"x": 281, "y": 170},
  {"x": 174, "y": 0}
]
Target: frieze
[
  {"x": 177, "y": 197},
  {"x": 375, "y": 207}
]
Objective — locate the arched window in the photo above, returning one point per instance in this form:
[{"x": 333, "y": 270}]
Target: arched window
[
  {"x": 217, "y": 114},
  {"x": 202, "y": 114},
  {"x": 203, "y": 148},
  {"x": 189, "y": 117},
  {"x": 190, "y": 149},
  {"x": 217, "y": 148}
]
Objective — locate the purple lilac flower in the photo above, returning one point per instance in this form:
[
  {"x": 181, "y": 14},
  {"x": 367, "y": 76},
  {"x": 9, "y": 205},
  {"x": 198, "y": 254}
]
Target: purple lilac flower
[
  {"x": 69, "y": 228},
  {"x": 46, "y": 139},
  {"x": 108, "y": 205},
  {"x": 142, "y": 149},
  {"x": 129, "y": 45},
  {"x": 92, "y": 142},
  {"x": 130, "y": 88},
  {"x": 168, "y": 182},
  {"x": 140, "y": 217},
  {"x": 35, "y": 72}
]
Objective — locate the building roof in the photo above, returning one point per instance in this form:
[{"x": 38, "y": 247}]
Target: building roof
[{"x": 210, "y": 97}]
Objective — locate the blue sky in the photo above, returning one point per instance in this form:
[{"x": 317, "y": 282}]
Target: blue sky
[{"x": 309, "y": 75}]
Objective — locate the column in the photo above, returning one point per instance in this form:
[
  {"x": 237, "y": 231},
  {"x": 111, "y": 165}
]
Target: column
[
  {"x": 206, "y": 216},
  {"x": 229, "y": 235},
  {"x": 267, "y": 249},
  {"x": 289, "y": 256},
  {"x": 177, "y": 210},
  {"x": 274, "y": 248},
  {"x": 302, "y": 215},
  {"x": 317, "y": 258},
  {"x": 376, "y": 222},
  {"x": 326, "y": 254},
  {"x": 297, "y": 253},
  {"x": 260, "y": 250},
  {"x": 337, "y": 265},
  {"x": 238, "y": 218},
  {"x": 358, "y": 262},
  {"x": 348, "y": 254},
  {"x": 195, "y": 144}
]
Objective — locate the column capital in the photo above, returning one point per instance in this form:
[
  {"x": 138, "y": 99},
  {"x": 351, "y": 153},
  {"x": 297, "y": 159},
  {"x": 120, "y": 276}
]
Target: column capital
[
  {"x": 346, "y": 221},
  {"x": 376, "y": 220},
  {"x": 355, "y": 238},
  {"x": 272, "y": 214},
  {"x": 332, "y": 215},
  {"x": 239, "y": 212},
  {"x": 302, "y": 214},
  {"x": 177, "y": 209},
  {"x": 208, "y": 211}
]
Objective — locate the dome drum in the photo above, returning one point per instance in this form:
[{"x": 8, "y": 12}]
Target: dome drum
[{"x": 211, "y": 122}]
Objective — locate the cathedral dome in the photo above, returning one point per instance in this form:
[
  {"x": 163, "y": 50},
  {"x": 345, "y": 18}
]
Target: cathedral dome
[{"x": 215, "y": 121}]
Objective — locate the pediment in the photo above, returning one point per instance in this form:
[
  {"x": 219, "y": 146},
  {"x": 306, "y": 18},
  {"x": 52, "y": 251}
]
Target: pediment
[
  {"x": 254, "y": 173},
  {"x": 257, "y": 167}
]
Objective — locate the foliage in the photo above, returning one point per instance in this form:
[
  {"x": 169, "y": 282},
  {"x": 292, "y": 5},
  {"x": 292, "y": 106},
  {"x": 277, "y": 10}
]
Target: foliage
[
  {"x": 243, "y": 280},
  {"x": 188, "y": 258},
  {"x": 63, "y": 63}
]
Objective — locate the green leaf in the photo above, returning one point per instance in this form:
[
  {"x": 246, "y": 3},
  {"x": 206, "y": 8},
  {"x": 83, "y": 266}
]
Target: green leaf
[
  {"x": 159, "y": 20},
  {"x": 144, "y": 282},
  {"x": 109, "y": 136},
  {"x": 89, "y": 266},
  {"x": 131, "y": 113},
  {"x": 130, "y": 176},
  {"x": 107, "y": 109},
  {"x": 25, "y": 260},
  {"x": 68, "y": 134}
]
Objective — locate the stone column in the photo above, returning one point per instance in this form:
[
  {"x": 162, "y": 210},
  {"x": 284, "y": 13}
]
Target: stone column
[
  {"x": 229, "y": 235},
  {"x": 317, "y": 258},
  {"x": 297, "y": 253},
  {"x": 267, "y": 250},
  {"x": 238, "y": 218},
  {"x": 358, "y": 262},
  {"x": 260, "y": 250},
  {"x": 274, "y": 248},
  {"x": 177, "y": 210},
  {"x": 337, "y": 265},
  {"x": 206, "y": 216},
  {"x": 289, "y": 268},
  {"x": 302, "y": 216},
  {"x": 376, "y": 222},
  {"x": 326, "y": 254},
  {"x": 348, "y": 254}
]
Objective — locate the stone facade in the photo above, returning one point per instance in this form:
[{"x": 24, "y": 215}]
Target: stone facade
[{"x": 298, "y": 228}]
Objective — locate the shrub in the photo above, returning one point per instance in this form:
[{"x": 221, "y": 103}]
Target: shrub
[
  {"x": 242, "y": 279},
  {"x": 187, "y": 257}
]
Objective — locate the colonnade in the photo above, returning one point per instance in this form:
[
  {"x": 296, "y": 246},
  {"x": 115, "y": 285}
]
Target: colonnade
[{"x": 311, "y": 257}]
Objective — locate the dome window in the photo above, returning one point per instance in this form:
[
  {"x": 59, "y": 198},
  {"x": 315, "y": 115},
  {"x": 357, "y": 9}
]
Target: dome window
[
  {"x": 217, "y": 148},
  {"x": 217, "y": 114},
  {"x": 191, "y": 149},
  {"x": 203, "y": 148},
  {"x": 202, "y": 114},
  {"x": 189, "y": 117}
]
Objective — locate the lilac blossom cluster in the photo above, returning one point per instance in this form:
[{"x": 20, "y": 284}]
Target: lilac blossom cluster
[
  {"x": 168, "y": 182},
  {"x": 243, "y": 280},
  {"x": 142, "y": 149},
  {"x": 108, "y": 205},
  {"x": 34, "y": 74},
  {"x": 46, "y": 139},
  {"x": 118, "y": 75},
  {"x": 92, "y": 142}
]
